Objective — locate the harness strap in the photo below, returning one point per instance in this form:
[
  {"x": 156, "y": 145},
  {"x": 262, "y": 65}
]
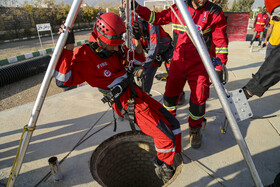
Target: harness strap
[
  {"x": 131, "y": 83},
  {"x": 131, "y": 102},
  {"x": 131, "y": 114},
  {"x": 112, "y": 96}
]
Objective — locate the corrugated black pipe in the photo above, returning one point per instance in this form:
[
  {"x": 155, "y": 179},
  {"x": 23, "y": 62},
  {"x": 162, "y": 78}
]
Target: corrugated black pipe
[{"x": 20, "y": 70}]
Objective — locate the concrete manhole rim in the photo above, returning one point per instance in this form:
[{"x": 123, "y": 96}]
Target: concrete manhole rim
[{"x": 96, "y": 155}]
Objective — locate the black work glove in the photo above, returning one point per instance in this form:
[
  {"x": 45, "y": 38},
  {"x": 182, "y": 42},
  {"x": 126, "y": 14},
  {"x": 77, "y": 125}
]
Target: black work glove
[
  {"x": 136, "y": 30},
  {"x": 71, "y": 37},
  {"x": 220, "y": 75},
  {"x": 131, "y": 5}
]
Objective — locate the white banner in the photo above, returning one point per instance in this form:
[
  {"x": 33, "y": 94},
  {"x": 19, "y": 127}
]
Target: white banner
[{"x": 43, "y": 27}]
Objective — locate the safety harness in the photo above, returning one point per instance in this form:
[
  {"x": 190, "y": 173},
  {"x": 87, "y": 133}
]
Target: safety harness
[{"x": 112, "y": 95}]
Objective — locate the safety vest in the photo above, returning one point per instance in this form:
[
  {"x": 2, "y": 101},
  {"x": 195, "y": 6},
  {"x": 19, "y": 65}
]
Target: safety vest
[{"x": 260, "y": 22}]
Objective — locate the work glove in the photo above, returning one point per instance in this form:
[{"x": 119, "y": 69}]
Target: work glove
[
  {"x": 71, "y": 38},
  {"x": 139, "y": 73},
  {"x": 131, "y": 5},
  {"x": 217, "y": 62},
  {"x": 136, "y": 30},
  {"x": 220, "y": 74},
  {"x": 139, "y": 76}
]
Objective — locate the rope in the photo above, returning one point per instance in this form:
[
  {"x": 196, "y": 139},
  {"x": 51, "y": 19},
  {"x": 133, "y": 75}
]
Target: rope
[
  {"x": 25, "y": 129},
  {"x": 82, "y": 140}
]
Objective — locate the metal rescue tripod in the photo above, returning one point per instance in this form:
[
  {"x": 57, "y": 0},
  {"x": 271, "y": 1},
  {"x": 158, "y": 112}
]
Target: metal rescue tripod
[
  {"x": 202, "y": 50},
  {"x": 198, "y": 42},
  {"x": 42, "y": 92}
]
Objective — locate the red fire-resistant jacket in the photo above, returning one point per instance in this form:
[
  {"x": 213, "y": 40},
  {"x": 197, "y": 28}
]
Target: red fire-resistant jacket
[
  {"x": 85, "y": 65},
  {"x": 261, "y": 21},
  {"x": 209, "y": 19}
]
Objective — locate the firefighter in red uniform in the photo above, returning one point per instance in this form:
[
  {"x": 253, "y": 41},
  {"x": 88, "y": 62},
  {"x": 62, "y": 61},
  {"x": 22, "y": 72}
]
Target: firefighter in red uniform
[
  {"x": 100, "y": 64},
  {"x": 261, "y": 21},
  {"x": 159, "y": 48},
  {"x": 186, "y": 64}
]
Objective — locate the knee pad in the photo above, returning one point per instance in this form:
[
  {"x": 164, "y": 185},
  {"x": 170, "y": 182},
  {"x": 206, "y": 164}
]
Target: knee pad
[
  {"x": 196, "y": 111},
  {"x": 169, "y": 101}
]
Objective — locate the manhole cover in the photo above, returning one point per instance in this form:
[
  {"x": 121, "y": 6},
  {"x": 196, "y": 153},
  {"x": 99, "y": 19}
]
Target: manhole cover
[{"x": 126, "y": 160}]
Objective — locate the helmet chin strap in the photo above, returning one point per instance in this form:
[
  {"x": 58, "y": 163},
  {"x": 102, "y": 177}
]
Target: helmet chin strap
[
  {"x": 102, "y": 51},
  {"x": 101, "y": 44}
]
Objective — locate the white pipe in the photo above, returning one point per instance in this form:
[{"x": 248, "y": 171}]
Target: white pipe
[
  {"x": 202, "y": 50},
  {"x": 45, "y": 85}
]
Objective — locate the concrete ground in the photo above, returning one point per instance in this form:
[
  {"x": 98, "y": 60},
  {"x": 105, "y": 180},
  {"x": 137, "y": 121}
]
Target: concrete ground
[{"x": 65, "y": 118}]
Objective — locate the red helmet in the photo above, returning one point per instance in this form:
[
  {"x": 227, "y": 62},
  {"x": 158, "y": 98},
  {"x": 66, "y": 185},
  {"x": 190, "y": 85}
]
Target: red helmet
[
  {"x": 109, "y": 28},
  {"x": 270, "y": 5}
]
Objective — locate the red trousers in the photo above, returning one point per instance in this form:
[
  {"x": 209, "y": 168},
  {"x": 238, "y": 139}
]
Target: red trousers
[
  {"x": 154, "y": 120},
  {"x": 188, "y": 67}
]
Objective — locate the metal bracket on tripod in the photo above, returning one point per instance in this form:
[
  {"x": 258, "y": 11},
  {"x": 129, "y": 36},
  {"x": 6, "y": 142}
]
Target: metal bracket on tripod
[{"x": 239, "y": 106}]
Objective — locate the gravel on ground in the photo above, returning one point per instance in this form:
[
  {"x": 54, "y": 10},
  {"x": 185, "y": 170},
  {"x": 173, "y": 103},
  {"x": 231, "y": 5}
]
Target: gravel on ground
[{"x": 24, "y": 91}]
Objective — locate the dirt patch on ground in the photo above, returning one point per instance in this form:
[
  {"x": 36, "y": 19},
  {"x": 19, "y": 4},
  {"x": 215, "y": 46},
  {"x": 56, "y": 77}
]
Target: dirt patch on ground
[{"x": 24, "y": 91}]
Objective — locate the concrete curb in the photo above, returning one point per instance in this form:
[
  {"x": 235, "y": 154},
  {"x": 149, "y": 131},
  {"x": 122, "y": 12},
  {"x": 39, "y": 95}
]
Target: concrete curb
[
  {"x": 43, "y": 35},
  {"x": 14, "y": 59}
]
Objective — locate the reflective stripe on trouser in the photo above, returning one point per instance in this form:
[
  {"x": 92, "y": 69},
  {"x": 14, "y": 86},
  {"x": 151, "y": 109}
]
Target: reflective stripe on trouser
[
  {"x": 154, "y": 120},
  {"x": 196, "y": 114},
  {"x": 193, "y": 71},
  {"x": 170, "y": 103}
]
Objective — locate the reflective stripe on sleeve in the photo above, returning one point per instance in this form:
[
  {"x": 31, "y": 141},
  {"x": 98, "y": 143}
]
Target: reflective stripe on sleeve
[
  {"x": 207, "y": 31},
  {"x": 63, "y": 77},
  {"x": 117, "y": 81},
  {"x": 152, "y": 17},
  {"x": 179, "y": 27},
  {"x": 221, "y": 50},
  {"x": 177, "y": 131},
  {"x": 165, "y": 150},
  {"x": 183, "y": 28}
]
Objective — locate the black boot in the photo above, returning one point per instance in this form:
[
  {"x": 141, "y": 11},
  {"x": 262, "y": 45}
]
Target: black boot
[{"x": 164, "y": 172}]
